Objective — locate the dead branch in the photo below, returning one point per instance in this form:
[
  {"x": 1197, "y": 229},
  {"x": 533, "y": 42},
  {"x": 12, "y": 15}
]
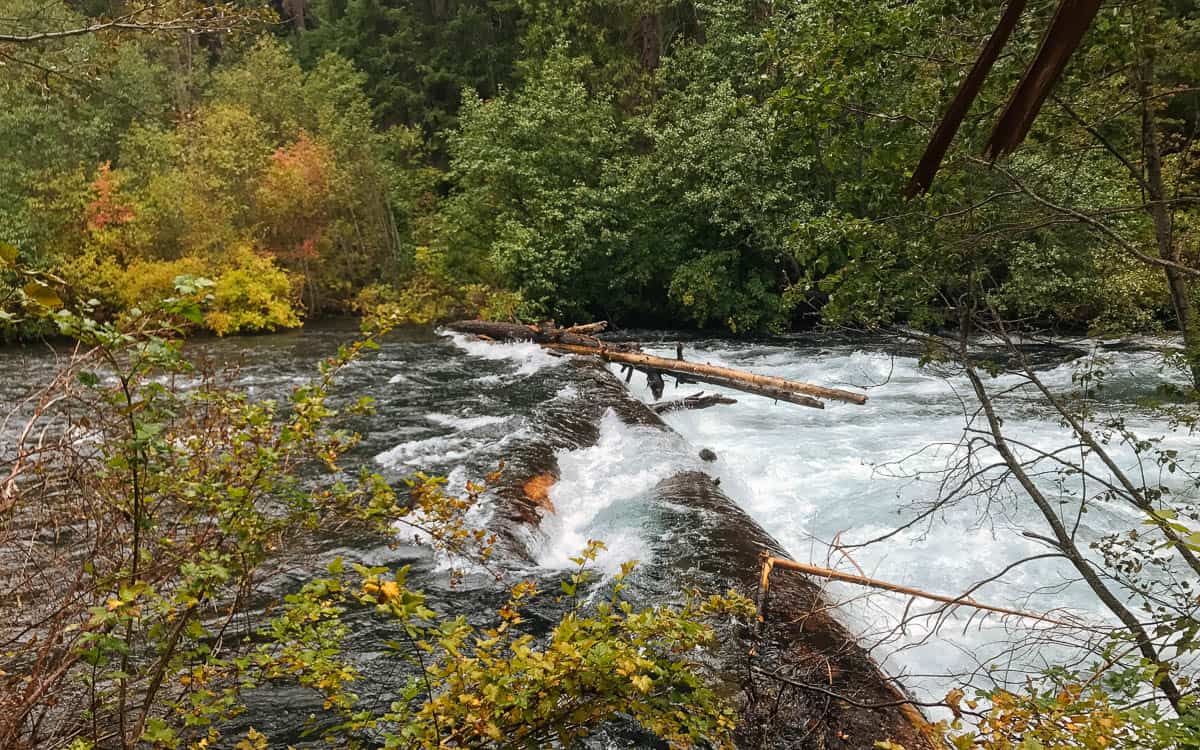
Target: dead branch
[
  {"x": 769, "y": 564},
  {"x": 695, "y": 401}
]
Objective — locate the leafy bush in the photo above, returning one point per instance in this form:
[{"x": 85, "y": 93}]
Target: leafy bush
[
  {"x": 433, "y": 295},
  {"x": 180, "y": 497},
  {"x": 253, "y": 295}
]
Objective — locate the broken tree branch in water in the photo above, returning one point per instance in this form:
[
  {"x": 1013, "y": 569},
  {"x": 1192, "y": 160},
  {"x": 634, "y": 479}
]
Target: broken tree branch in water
[
  {"x": 770, "y": 563},
  {"x": 695, "y": 401}
]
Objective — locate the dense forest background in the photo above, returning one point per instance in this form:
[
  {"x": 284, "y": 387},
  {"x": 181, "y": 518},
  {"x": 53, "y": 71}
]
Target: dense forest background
[{"x": 728, "y": 164}]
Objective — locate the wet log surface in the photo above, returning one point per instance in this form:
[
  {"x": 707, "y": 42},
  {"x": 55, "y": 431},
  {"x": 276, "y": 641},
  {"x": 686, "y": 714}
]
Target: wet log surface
[
  {"x": 714, "y": 545},
  {"x": 705, "y": 541},
  {"x": 577, "y": 340}
]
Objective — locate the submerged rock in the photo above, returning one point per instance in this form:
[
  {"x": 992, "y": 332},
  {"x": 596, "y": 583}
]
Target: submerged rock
[{"x": 711, "y": 544}]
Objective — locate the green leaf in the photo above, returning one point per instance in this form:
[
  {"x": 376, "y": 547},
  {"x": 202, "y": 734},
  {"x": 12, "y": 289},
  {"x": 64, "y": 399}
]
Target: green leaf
[{"x": 8, "y": 254}]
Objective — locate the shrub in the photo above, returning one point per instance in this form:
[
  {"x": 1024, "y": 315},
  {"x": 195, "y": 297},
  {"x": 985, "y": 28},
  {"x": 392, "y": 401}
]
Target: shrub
[{"x": 254, "y": 294}]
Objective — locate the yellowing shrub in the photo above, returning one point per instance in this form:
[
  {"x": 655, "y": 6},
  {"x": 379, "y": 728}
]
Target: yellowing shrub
[
  {"x": 94, "y": 275},
  {"x": 253, "y": 294},
  {"x": 145, "y": 282}
]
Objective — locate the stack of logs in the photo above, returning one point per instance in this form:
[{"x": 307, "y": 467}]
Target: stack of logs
[{"x": 582, "y": 340}]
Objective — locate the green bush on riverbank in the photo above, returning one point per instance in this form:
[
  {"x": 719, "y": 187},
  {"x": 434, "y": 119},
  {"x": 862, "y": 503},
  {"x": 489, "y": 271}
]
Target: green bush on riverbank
[{"x": 714, "y": 165}]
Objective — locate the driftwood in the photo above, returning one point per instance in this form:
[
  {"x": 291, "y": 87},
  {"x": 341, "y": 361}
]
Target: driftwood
[
  {"x": 767, "y": 385},
  {"x": 770, "y": 563},
  {"x": 695, "y": 401},
  {"x": 577, "y": 336},
  {"x": 578, "y": 340}
]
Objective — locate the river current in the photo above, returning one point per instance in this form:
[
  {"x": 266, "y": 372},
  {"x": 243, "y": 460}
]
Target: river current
[{"x": 811, "y": 478}]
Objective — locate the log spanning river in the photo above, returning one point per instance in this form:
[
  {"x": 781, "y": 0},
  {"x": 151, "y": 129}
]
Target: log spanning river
[{"x": 820, "y": 482}]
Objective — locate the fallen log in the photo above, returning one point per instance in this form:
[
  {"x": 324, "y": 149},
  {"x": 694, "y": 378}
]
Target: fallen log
[
  {"x": 775, "y": 394},
  {"x": 695, "y": 401},
  {"x": 589, "y": 329},
  {"x": 496, "y": 331},
  {"x": 571, "y": 341},
  {"x": 727, "y": 376}
]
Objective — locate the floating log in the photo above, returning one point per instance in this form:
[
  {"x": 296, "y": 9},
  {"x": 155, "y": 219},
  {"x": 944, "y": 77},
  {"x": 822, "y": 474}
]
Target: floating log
[
  {"x": 726, "y": 376},
  {"x": 695, "y": 401},
  {"x": 572, "y": 341},
  {"x": 496, "y": 331},
  {"x": 589, "y": 329}
]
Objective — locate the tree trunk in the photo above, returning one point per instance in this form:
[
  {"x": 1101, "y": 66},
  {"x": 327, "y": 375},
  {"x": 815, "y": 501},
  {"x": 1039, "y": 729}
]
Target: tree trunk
[
  {"x": 575, "y": 341},
  {"x": 710, "y": 373},
  {"x": 1160, "y": 213},
  {"x": 650, "y": 32}
]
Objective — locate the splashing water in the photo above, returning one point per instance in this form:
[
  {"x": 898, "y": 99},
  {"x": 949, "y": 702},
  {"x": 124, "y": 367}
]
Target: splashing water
[
  {"x": 458, "y": 407},
  {"x": 850, "y": 474}
]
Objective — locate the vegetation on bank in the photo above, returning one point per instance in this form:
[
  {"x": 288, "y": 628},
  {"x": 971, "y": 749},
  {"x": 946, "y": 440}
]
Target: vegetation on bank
[
  {"x": 144, "y": 611},
  {"x": 729, "y": 163}
]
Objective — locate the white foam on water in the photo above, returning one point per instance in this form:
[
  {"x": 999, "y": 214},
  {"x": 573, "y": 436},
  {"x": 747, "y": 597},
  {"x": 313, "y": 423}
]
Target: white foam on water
[
  {"x": 440, "y": 448},
  {"x": 603, "y": 493},
  {"x": 854, "y": 473},
  {"x": 526, "y": 357},
  {"x": 464, "y": 424}
]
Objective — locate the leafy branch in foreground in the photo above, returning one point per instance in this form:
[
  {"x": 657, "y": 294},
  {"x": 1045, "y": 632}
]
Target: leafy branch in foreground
[
  {"x": 146, "y": 500},
  {"x": 500, "y": 686}
]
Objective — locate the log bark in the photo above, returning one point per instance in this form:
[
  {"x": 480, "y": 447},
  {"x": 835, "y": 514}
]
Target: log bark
[
  {"x": 707, "y": 373},
  {"x": 588, "y": 329},
  {"x": 572, "y": 341},
  {"x": 577, "y": 336}
]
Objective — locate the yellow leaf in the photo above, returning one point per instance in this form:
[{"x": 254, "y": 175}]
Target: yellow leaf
[{"x": 43, "y": 295}]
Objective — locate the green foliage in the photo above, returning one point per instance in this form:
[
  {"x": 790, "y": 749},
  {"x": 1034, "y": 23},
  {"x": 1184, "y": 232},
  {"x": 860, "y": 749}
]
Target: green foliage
[
  {"x": 419, "y": 57},
  {"x": 528, "y": 170},
  {"x": 270, "y": 156},
  {"x": 185, "y": 495},
  {"x": 723, "y": 163},
  {"x": 432, "y": 294},
  {"x": 499, "y": 686}
]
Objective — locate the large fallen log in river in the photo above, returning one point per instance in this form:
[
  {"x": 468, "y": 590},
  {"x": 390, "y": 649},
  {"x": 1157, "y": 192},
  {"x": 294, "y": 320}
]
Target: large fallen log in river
[
  {"x": 579, "y": 341},
  {"x": 801, "y": 680}
]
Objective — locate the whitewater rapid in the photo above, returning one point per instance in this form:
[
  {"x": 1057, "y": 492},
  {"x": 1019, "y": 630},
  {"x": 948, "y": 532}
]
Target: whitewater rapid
[{"x": 846, "y": 475}]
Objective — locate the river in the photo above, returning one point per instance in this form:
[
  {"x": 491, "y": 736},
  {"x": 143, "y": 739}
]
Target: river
[{"x": 458, "y": 407}]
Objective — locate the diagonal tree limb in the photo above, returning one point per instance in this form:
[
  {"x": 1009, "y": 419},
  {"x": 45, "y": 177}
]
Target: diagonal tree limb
[
  {"x": 931, "y": 161},
  {"x": 1071, "y": 21}
]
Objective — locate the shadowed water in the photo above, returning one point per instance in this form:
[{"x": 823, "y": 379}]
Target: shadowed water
[{"x": 450, "y": 406}]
